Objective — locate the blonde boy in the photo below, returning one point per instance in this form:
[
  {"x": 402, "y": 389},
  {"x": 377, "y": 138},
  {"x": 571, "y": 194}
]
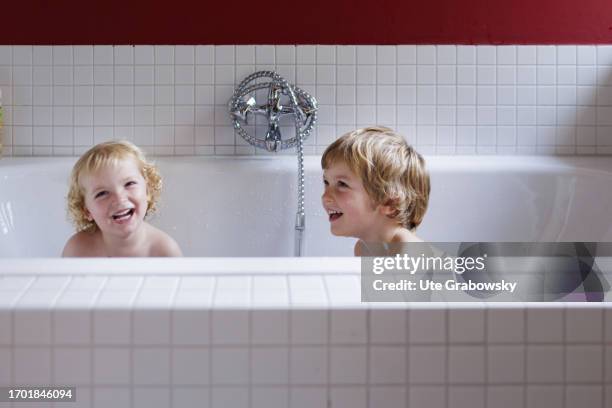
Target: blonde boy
[
  {"x": 112, "y": 189},
  {"x": 376, "y": 188}
]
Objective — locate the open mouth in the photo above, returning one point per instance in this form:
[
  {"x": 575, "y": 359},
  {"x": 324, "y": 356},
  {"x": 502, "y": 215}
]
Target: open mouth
[
  {"x": 334, "y": 215},
  {"x": 123, "y": 215}
]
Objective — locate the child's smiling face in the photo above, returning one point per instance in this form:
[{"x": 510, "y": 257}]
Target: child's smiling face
[
  {"x": 350, "y": 209},
  {"x": 116, "y": 197}
]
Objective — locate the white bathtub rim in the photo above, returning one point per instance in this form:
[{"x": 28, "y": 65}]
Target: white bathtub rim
[
  {"x": 179, "y": 266},
  {"x": 247, "y": 267}
]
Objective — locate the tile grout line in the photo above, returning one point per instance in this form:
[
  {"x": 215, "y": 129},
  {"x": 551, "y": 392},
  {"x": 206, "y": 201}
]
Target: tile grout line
[
  {"x": 52, "y": 333},
  {"x": 131, "y": 369},
  {"x": 92, "y": 339},
  {"x": 171, "y": 339},
  {"x": 13, "y": 334}
]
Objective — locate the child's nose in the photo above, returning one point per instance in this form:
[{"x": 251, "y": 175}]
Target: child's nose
[
  {"x": 120, "y": 196},
  {"x": 326, "y": 197}
]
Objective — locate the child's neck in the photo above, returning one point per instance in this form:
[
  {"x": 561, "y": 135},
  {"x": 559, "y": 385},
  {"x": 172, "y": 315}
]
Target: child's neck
[
  {"x": 390, "y": 233},
  {"x": 131, "y": 245}
]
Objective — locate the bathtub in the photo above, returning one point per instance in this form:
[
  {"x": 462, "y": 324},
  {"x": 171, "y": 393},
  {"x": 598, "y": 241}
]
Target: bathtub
[
  {"x": 238, "y": 206},
  {"x": 241, "y": 323}
]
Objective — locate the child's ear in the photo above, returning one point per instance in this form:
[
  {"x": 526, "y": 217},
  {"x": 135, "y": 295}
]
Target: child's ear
[
  {"x": 388, "y": 208},
  {"x": 87, "y": 214}
]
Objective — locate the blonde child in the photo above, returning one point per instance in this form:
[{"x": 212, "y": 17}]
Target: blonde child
[
  {"x": 112, "y": 189},
  {"x": 376, "y": 189}
]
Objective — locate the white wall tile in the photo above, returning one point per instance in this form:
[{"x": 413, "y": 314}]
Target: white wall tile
[
  {"x": 204, "y": 54},
  {"x": 325, "y": 54},
  {"x": 83, "y": 55},
  {"x": 308, "y": 365},
  {"x": 270, "y": 327},
  {"x": 386, "y": 55},
  {"x": 582, "y": 394},
  {"x": 406, "y": 54},
  {"x": 348, "y": 397},
  {"x": 406, "y": 74},
  {"x": 32, "y": 365},
  {"x": 22, "y": 55},
  {"x": 583, "y": 325},
  {"x": 486, "y": 54},
  {"x": 306, "y": 54},
  {"x": 42, "y": 55},
  {"x": 72, "y": 366},
  {"x": 587, "y": 55},
  {"x": 6, "y": 54},
  {"x": 388, "y": 326},
  {"x": 348, "y": 327},
  {"x": 427, "y": 326},
  {"x": 526, "y": 55},
  {"x": 507, "y": 76},
  {"x": 546, "y": 54},
  {"x": 285, "y": 54},
  {"x": 191, "y": 366},
  {"x": 545, "y": 364},
  {"x": 506, "y": 364},
  {"x": 431, "y": 396},
  {"x": 584, "y": 364},
  {"x": 388, "y": 365},
  {"x": 388, "y": 397},
  {"x": 111, "y": 366},
  {"x": 265, "y": 54},
  {"x": 32, "y": 327},
  {"x": 103, "y": 55},
  {"x": 146, "y": 397},
  {"x": 506, "y": 55},
  {"x": 348, "y": 365},
  {"x": 230, "y": 327},
  {"x": 463, "y": 397},
  {"x": 466, "y": 364},
  {"x": 426, "y": 54},
  {"x": 301, "y": 397},
  {"x": 72, "y": 326},
  {"x": 151, "y": 366},
  {"x": 183, "y": 55},
  {"x": 270, "y": 365}
]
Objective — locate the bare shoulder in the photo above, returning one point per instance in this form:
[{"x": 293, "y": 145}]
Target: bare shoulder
[
  {"x": 82, "y": 244},
  {"x": 163, "y": 244}
]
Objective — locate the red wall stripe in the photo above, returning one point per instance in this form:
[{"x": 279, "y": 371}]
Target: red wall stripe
[{"x": 306, "y": 22}]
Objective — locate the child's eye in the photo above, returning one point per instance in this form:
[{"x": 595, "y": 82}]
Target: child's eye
[
  {"x": 100, "y": 194},
  {"x": 130, "y": 183},
  {"x": 342, "y": 184},
  {"x": 325, "y": 182}
]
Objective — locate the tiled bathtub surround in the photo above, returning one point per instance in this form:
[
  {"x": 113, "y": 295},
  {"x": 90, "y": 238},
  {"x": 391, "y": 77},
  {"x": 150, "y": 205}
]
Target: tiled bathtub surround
[
  {"x": 447, "y": 99},
  {"x": 288, "y": 340}
]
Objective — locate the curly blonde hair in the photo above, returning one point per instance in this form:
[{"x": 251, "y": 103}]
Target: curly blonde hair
[
  {"x": 102, "y": 155},
  {"x": 392, "y": 172}
]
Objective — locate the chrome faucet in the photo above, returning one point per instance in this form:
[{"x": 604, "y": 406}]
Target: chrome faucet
[{"x": 283, "y": 99}]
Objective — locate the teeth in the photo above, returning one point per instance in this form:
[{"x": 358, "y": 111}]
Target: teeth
[
  {"x": 330, "y": 212},
  {"x": 122, "y": 214}
]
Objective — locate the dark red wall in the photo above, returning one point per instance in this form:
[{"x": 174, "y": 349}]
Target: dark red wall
[{"x": 306, "y": 22}]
